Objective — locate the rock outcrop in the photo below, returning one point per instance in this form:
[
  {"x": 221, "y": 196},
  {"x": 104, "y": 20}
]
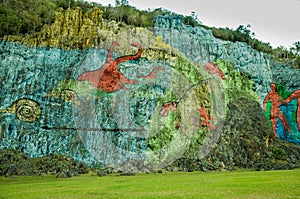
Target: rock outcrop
[
  {"x": 199, "y": 45},
  {"x": 215, "y": 122}
]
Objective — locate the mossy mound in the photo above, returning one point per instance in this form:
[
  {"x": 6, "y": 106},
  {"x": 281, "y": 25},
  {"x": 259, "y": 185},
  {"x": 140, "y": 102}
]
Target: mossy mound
[{"x": 13, "y": 162}]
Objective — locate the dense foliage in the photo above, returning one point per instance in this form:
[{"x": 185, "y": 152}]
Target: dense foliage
[
  {"x": 13, "y": 162},
  {"x": 25, "y": 16}
]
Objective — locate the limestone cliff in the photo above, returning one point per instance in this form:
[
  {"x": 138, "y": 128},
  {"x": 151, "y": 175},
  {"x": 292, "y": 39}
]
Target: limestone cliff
[{"x": 181, "y": 98}]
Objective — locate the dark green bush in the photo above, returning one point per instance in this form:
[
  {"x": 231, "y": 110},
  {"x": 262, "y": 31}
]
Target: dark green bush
[{"x": 13, "y": 162}]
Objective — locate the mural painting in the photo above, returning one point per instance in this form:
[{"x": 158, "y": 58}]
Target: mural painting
[
  {"x": 121, "y": 113},
  {"x": 146, "y": 121},
  {"x": 282, "y": 108},
  {"x": 108, "y": 77},
  {"x": 138, "y": 98}
]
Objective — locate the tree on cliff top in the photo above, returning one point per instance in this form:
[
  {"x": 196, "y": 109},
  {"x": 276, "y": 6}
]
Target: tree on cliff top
[
  {"x": 18, "y": 17},
  {"x": 25, "y": 16}
]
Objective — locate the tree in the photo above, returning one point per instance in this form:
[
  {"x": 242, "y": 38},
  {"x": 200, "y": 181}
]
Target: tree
[
  {"x": 296, "y": 48},
  {"x": 9, "y": 22},
  {"x": 195, "y": 17},
  {"x": 124, "y": 3},
  {"x": 117, "y": 3},
  {"x": 244, "y": 30}
]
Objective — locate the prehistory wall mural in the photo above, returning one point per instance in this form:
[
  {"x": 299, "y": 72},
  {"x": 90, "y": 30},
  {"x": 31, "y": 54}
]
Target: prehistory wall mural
[{"x": 140, "y": 99}]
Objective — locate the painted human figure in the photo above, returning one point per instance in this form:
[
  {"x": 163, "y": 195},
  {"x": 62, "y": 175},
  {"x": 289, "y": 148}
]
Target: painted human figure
[
  {"x": 167, "y": 107},
  {"x": 295, "y": 95},
  {"x": 276, "y": 101},
  {"x": 206, "y": 118}
]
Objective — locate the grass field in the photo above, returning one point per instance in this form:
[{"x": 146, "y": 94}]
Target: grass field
[{"x": 236, "y": 184}]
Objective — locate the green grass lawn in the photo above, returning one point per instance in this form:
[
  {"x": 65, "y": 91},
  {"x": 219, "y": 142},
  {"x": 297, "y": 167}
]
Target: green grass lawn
[{"x": 236, "y": 184}]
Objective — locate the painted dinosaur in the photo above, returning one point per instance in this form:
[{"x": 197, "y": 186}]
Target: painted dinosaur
[{"x": 108, "y": 78}]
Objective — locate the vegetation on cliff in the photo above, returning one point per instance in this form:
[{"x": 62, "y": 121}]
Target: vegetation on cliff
[{"x": 18, "y": 17}]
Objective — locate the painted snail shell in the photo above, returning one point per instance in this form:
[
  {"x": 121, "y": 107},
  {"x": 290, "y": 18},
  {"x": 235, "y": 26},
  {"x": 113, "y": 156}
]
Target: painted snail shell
[
  {"x": 67, "y": 95},
  {"x": 27, "y": 110}
]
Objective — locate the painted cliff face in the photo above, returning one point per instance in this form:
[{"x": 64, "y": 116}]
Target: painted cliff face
[
  {"x": 136, "y": 110},
  {"x": 133, "y": 97},
  {"x": 123, "y": 103}
]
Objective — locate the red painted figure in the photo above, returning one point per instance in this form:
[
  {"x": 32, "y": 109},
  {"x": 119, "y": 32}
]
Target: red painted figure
[
  {"x": 108, "y": 78},
  {"x": 295, "y": 95},
  {"x": 212, "y": 68},
  {"x": 276, "y": 101},
  {"x": 206, "y": 117},
  {"x": 169, "y": 106}
]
